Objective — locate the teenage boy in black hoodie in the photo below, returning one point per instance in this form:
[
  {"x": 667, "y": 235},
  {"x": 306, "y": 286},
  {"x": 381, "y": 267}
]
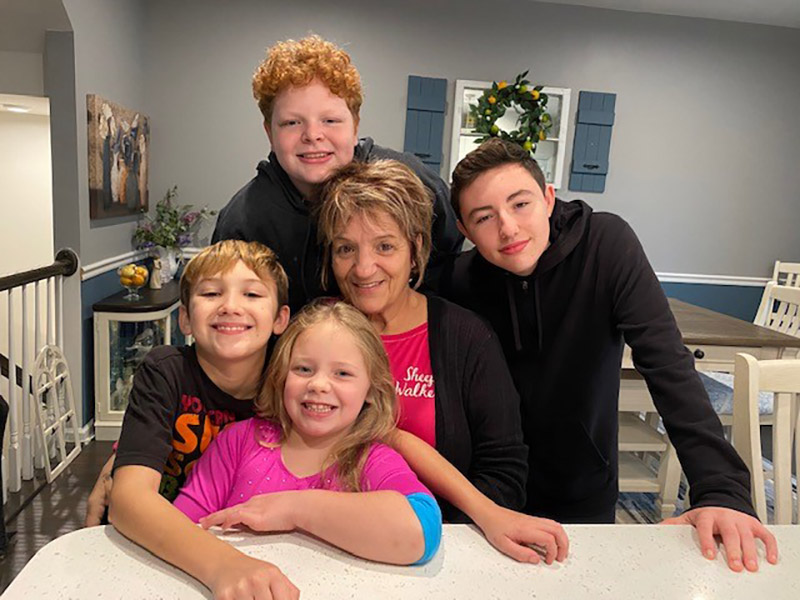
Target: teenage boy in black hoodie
[{"x": 564, "y": 288}]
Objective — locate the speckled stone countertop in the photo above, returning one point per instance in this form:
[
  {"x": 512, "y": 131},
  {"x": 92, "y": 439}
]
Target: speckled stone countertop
[{"x": 616, "y": 562}]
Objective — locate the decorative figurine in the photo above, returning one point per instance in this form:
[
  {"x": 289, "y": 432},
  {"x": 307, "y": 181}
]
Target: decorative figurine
[{"x": 155, "y": 276}]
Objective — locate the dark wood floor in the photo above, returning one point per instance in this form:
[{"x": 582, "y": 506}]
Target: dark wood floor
[{"x": 53, "y": 511}]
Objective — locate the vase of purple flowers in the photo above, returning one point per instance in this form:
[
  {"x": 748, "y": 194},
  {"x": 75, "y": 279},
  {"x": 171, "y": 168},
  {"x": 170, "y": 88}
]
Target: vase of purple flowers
[{"x": 173, "y": 228}]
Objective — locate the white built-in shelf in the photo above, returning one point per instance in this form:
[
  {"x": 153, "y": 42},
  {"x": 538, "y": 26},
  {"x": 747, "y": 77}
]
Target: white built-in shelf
[
  {"x": 635, "y": 435},
  {"x": 635, "y": 476}
]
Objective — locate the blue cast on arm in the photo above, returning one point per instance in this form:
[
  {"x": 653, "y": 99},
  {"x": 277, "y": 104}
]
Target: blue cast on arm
[{"x": 430, "y": 517}]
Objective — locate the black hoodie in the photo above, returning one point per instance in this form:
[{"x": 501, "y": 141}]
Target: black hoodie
[
  {"x": 270, "y": 210},
  {"x": 562, "y": 330}
]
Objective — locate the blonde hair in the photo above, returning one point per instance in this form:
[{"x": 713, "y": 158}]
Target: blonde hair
[
  {"x": 296, "y": 63},
  {"x": 383, "y": 187},
  {"x": 223, "y": 256},
  {"x": 378, "y": 416}
]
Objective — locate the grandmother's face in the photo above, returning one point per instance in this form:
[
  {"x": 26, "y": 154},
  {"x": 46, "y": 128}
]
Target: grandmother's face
[{"x": 372, "y": 260}]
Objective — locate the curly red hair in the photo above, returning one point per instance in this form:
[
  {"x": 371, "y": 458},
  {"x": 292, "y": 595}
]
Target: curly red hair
[{"x": 296, "y": 63}]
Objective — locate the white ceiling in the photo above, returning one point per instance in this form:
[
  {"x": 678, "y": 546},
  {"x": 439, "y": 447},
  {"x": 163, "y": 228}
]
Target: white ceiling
[{"x": 784, "y": 13}]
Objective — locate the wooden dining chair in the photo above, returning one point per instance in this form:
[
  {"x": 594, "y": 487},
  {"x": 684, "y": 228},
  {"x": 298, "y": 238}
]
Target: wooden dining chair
[
  {"x": 781, "y": 377},
  {"x": 786, "y": 273},
  {"x": 780, "y": 309}
]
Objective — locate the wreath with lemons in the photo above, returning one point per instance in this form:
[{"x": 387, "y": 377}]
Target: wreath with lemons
[{"x": 533, "y": 123}]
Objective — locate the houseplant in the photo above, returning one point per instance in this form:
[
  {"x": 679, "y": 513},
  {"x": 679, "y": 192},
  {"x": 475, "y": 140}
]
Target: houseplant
[{"x": 173, "y": 228}]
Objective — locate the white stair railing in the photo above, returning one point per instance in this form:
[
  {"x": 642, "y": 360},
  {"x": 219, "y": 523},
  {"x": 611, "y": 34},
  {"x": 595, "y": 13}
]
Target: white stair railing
[{"x": 33, "y": 324}]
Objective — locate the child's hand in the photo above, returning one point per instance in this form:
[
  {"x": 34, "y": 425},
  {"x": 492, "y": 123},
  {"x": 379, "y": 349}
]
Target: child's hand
[
  {"x": 100, "y": 495},
  {"x": 267, "y": 512},
  {"x": 246, "y": 577},
  {"x": 513, "y": 533}
]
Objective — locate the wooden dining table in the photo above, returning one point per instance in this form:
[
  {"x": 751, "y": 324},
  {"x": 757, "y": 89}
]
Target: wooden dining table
[
  {"x": 605, "y": 562},
  {"x": 714, "y": 340}
]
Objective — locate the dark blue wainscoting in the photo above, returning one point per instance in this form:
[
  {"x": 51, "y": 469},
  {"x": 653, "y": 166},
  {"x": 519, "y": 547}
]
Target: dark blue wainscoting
[{"x": 735, "y": 300}]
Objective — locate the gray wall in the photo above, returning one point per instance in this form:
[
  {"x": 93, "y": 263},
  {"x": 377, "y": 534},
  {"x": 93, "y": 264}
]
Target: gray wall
[
  {"x": 21, "y": 73},
  {"x": 108, "y": 61},
  {"x": 704, "y": 159},
  {"x": 59, "y": 77}
]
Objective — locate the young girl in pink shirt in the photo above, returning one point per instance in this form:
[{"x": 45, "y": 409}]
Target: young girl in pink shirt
[{"x": 326, "y": 405}]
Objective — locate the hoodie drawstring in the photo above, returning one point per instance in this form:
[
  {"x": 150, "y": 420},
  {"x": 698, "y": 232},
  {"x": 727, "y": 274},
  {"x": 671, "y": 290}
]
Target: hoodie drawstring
[
  {"x": 512, "y": 307},
  {"x": 538, "y": 312}
]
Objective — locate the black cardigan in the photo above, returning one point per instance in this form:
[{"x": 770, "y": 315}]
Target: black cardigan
[{"x": 478, "y": 427}]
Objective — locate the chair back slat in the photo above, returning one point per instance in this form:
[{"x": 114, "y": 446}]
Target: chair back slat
[
  {"x": 782, "y": 377},
  {"x": 780, "y": 309},
  {"x": 786, "y": 273}
]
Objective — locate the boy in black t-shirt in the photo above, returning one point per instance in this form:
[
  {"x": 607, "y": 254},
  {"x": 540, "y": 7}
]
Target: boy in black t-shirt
[{"x": 233, "y": 298}]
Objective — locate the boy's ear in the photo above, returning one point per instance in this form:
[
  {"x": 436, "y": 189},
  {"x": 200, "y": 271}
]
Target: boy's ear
[
  {"x": 550, "y": 198},
  {"x": 281, "y": 320},
  {"x": 183, "y": 320}
]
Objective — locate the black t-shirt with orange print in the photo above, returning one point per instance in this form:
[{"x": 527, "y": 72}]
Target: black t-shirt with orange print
[{"x": 174, "y": 412}]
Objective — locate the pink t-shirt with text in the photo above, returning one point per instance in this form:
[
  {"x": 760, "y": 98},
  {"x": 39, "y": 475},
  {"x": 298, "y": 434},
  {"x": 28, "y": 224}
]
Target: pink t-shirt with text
[{"x": 410, "y": 360}]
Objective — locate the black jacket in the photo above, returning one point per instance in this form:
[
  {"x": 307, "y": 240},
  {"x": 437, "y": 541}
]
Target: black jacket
[
  {"x": 269, "y": 209},
  {"x": 562, "y": 330},
  {"x": 477, "y": 408}
]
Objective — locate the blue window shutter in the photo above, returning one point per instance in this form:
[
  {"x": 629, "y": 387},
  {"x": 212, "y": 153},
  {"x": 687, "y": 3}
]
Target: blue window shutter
[
  {"x": 592, "y": 143},
  {"x": 425, "y": 110}
]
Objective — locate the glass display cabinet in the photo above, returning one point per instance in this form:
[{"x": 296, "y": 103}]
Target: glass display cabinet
[
  {"x": 550, "y": 153},
  {"x": 124, "y": 332}
]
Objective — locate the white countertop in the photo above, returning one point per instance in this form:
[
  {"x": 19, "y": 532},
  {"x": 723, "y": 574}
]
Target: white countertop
[{"x": 616, "y": 562}]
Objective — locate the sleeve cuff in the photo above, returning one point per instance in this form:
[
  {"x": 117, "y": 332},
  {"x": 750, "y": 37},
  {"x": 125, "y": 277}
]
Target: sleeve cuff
[{"x": 430, "y": 517}]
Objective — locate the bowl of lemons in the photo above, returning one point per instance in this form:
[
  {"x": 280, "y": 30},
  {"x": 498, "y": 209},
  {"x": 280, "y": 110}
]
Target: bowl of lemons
[{"x": 132, "y": 277}]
